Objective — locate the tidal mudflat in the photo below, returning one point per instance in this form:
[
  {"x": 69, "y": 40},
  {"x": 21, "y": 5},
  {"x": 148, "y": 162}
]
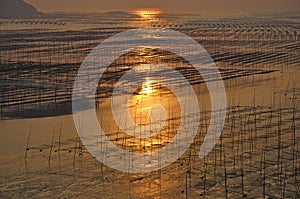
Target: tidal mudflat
[{"x": 257, "y": 155}]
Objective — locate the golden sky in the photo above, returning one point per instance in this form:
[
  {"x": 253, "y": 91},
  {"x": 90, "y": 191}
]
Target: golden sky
[{"x": 213, "y": 7}]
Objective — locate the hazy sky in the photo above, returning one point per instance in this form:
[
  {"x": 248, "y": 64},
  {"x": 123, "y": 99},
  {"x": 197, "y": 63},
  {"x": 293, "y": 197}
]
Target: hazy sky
[{"x": 182, "y": 6}]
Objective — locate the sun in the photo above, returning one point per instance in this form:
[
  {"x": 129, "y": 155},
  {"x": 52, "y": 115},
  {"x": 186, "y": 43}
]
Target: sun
[{"x": 148, "y": 13}]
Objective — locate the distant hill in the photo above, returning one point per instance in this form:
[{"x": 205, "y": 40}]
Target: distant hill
[{"x": 17, "y": 8}]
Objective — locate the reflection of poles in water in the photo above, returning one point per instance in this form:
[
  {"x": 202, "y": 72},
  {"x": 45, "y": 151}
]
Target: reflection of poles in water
[
  {"x": 294, "y": 102},
  {"x": 27, "y": 149},
  {"x": 279, "y": 144},
  {"x": 241, "y": 139},
  {"x": 225, "y": 169},
  {"x": 74, "y": 156},
  {"x": 205, "y": 176},
  {"x": 59, "y": 147},
  {"x": 51, "y": 148}
]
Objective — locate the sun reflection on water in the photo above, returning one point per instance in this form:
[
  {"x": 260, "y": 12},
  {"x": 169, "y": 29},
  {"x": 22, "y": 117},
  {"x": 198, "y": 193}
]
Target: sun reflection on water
[{"x": 147, "y": 87}]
